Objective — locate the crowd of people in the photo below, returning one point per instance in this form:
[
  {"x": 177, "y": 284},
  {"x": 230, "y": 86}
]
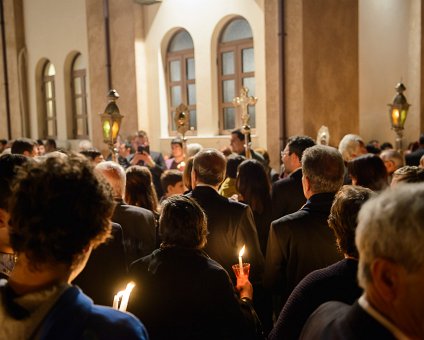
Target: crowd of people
[{"x": 330, "y": 246}]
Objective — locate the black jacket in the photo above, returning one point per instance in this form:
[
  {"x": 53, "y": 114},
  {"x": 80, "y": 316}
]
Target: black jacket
[{"x": 230, "y": 225}]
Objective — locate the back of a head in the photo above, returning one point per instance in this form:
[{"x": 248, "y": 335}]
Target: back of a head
[
  {"x": 348, "y": 146},
  {"x": 390, "y": 226},
  {"x": 254, "y": 185},
  {"x": 209, "y": 166},
  {"x": 298, "y": 144},
  {"x": 139, "y": 189},
  {"x": 421, "y": 139},
  {"x": 85, "y": 145},
  {"x": 22, "y": 145},
  {"x": 193, "y": 149},
  {"x": 182, "y": 223},
  {"x": 233, "y": 161},
  {"x": 9, "y": 167},
  {"x": 344, "y": 214},
  {"x": 392, "y": 155},
  {"x": 187, "y": 173},
  {"x": 369, "y": 171},
  {"x": 59, "y": 207},
  {"x": 115, "y": 176},
  {"x": 91, "y": 153},
  {"x": 170, "y": 177},
  {"x": 324, "y": 167},
  {"x": 50, "y": 145},
  {"x": 408, "y": 174}
]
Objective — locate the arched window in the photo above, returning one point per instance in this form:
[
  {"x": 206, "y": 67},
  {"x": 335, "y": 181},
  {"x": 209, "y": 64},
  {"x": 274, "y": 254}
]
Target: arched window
[
  {"x": 79, "y": 99},
  {"x": 181, "y": 77},
  {"x": 236, "y": 68},
  {"x": 49, "y": 95}
]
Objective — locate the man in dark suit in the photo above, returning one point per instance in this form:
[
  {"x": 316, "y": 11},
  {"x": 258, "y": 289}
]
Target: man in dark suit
[
  {"x": 302, "y": 242},
  {"x": 138, "y": 224},
  {"x": 144, "y": 156},
  {"x": 390, "y": 239},
  {"x": 230, "y": 223},
  {"x": 414, "y": 157},
  {"x": 287, "y": 193}
]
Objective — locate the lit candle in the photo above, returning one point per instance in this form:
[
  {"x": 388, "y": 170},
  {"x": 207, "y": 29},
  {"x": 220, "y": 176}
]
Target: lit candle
[
  {"x": 126, "y": 296},
  {"x": 241, "y": 261},
  {"x": 123, "y": 296},
  {"x": 116, "y": 300}
]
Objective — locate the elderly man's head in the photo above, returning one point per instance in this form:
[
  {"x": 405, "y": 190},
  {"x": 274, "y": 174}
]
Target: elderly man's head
[
  {"x": 390, "y": 241},
  {"x": 323, "y": 170},
  {"x": 209, "y": 167},
  {"x": 114, "y": 175},
  {"x": 351, "y": 146}
]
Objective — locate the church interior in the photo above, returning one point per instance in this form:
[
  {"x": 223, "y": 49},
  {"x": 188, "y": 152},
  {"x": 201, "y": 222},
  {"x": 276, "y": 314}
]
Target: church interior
[{"x": 309, "y": 63}]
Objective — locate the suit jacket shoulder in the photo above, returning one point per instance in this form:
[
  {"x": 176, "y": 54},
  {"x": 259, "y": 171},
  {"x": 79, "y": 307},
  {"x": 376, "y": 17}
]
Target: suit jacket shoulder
[
  {"x": 287, "y": 195},
  {"x": 139, "y": 229},
  {"x": 337, "y": 320}
]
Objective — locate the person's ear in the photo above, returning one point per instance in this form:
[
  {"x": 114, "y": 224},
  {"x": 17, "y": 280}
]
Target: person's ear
[
  {"x": 193, "y": 178},
  {"x": 386, "y": 277},
  {"x": 306, "y": 184}
]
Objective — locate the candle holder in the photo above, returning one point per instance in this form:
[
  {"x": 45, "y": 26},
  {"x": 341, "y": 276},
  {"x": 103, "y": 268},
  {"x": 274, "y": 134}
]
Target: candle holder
[{"x": 246, "y": 269}]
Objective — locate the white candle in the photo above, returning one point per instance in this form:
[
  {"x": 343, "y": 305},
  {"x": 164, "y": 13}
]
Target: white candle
[
  {"x": 241, "y": 261},
  {"x": 126, "y": 296},
  {"x": 116, "y": 301}
]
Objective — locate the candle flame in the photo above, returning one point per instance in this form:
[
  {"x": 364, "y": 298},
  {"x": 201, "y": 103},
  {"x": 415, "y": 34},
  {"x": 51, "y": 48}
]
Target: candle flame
[{"x": 242, "y": 251}]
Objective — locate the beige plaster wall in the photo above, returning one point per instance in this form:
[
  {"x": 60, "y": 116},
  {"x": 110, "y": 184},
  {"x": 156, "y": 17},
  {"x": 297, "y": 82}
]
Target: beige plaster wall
[
  {"x": 53, "y": 29},
  {"x": 322, "y": 67},
  {"x": 203, "y": 23},
  {"x": 389, "y": 51}
]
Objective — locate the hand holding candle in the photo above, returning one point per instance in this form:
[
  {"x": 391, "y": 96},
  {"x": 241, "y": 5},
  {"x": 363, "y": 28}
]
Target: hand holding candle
[{"x": 123, "y": 296}]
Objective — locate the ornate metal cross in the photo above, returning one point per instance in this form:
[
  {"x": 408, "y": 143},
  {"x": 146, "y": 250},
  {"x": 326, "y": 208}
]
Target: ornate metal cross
[
  {"x": 243, "y": 102},
  {"x": 182, "y": 122}
]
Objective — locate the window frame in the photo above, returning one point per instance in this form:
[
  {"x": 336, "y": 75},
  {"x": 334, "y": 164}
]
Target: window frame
[
  {"x": 237, "y": 47},
  {"x": 82, "y": 75},
  {"x": 45, "y": 80},
  {"x": 182, "y": 56}
]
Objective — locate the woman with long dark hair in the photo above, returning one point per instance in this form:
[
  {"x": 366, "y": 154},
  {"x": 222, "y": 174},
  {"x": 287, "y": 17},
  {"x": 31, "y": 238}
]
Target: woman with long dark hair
[
  {"x": 140, "y": 190},
  {"x": 254, "y": 187}
]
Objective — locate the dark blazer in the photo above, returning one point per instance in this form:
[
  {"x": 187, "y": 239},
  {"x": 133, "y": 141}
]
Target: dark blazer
[
  {"x": 230, "y": 225},
  {"x": 336, "y": 320},
  {"x": 75, "y": 317},
  {"x": 181, "y": 293},
  {"x": 287, "y": 195},
  {"x": 106, "y": 270},
  {"x": 139, "y": 227},
  {"x": 337, "y": 282},
  {"x": 298, "y": 244},
  {"x": 156, "y": 171}
]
